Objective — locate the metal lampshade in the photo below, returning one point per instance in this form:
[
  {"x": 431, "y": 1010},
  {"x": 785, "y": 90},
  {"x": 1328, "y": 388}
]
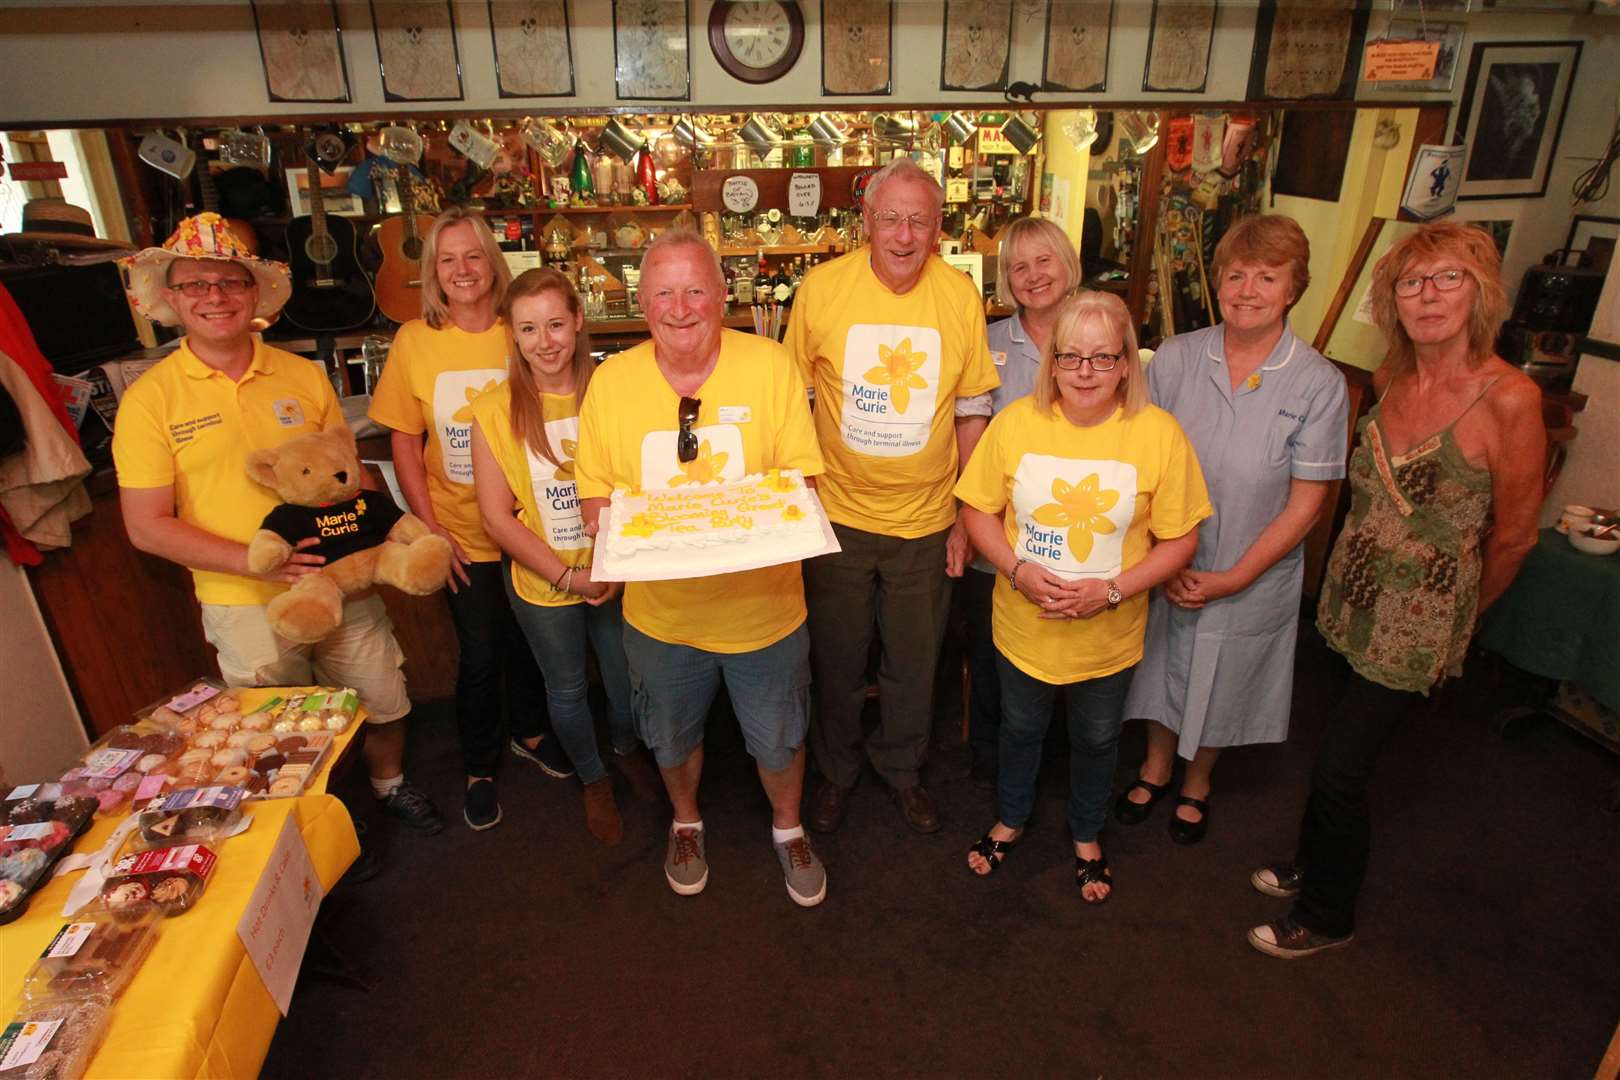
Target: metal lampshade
[
  {"x": 1021, "y": 133},
  {"x": 962, "y": 126}
]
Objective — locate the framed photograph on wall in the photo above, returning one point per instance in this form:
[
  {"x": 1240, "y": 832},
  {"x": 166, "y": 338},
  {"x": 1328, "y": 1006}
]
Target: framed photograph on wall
[
  {"x": 534, "y": 55},
  {"x": 1077, "y": 39},
  {"x": 416, "y": 48},
  {"x": 1179, "y": 40},
  {"x": 1511, "y": 114},
  {"x": 1307, "y": 50},
  {"x": 1595, "y": 237},
  {"x": 301, "y": 49},
  {"x": 652, "y": 58},
  {"x": 977, "y": 49},
  {"x": 856, "y": 37},
  {"x": 1450, "y": 37}
]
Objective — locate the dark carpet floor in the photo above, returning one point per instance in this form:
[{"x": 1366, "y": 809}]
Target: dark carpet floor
[{"x": 1488, "y": 936}]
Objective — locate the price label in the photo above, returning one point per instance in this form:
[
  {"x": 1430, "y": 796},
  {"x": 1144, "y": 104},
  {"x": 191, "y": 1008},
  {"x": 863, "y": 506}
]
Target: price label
[
  {"x": 804, "y": 194},
  {"x": 740, "y": 194}
]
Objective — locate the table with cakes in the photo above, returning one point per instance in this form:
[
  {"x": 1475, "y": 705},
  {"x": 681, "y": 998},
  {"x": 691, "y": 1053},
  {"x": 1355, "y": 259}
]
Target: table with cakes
[{"x": 125, "y": 879}]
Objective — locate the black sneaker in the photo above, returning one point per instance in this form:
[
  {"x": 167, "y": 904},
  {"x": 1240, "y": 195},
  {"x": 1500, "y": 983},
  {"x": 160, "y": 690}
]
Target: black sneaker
[
  {"x": 1282, "y": 880},
  {"x": 481, "y": 810},
  {"x": 411, "y": 805},
  {"x": 548, "y": 754}
]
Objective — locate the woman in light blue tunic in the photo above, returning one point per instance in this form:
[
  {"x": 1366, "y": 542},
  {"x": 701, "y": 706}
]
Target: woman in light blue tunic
[{"x": 1266, "y": 416}]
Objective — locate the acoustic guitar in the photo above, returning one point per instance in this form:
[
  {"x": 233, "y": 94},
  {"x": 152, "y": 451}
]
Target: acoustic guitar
[
  {"x": 399, "y": 279},
  {"x": 330, "y": 290},
  {"x": 209, "y": 194}
]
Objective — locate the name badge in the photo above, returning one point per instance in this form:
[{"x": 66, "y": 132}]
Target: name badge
[
  {"x": 736, "y": 414},
  {"x": 998, "y": 358},
  {"x": 289, "y": 412}
]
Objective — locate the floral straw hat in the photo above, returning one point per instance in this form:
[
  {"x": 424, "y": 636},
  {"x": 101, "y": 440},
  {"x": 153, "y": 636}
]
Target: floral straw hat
[{"x": 204, "y": 236}]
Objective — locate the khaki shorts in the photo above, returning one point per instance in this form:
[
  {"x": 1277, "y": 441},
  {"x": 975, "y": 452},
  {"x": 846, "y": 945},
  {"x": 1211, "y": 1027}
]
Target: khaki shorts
[{"x": 361, "y": 653}]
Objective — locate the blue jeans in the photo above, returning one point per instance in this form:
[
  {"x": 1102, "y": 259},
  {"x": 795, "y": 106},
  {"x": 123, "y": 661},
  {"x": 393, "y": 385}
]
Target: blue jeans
[
  {"x": 1096, "y": 709},
  {"x": 557, "y": 636}
]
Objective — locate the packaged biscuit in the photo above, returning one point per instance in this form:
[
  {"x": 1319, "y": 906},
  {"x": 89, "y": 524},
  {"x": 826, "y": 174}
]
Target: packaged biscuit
[
  {"x": 92, "y": 957},
  {"x": 53, "y": 1040},
  {"x": 189, "y": 816},
  {"x": 168, "y": 879}
]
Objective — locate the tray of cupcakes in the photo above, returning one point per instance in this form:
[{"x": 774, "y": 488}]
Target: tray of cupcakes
[{"x": 38, "y": 824}]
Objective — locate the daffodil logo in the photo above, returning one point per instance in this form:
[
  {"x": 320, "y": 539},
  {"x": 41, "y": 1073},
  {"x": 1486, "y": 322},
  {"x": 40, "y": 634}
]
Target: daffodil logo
[
  {"x": 706, "y": 468},
  {"x": 1080, "y": 508},
  {"x": 565, "y": 467},
  {"x": 464, "y": 414},
  {"x": 897, "y": 369}
]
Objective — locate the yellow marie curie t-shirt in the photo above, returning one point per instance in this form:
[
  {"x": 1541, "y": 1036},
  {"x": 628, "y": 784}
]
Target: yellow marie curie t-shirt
[
  {"x": 547, "y": 502},
  {"x": 887, "y": 370},
  {"x": 753, "y": 417},
  {"x": 1081, "y": 502},
  {"x": 428, "y": 385},
  {"x": 184, "y": 425}
]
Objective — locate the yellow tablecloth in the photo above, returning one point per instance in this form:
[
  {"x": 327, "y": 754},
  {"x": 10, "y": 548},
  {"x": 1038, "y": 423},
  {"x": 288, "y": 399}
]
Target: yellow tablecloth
[{"x": 197, "y": 1008}]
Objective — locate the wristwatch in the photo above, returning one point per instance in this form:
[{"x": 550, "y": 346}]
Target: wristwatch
[{"x": 1114, "y": 595}]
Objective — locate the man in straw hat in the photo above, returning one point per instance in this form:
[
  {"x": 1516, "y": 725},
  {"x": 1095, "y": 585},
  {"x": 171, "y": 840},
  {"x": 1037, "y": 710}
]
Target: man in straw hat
[{"x": 181, "y": 442}]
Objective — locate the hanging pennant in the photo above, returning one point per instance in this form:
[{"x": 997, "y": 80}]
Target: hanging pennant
[
  {"x": 1208, "y": 133},
  {"x": 1179, "y": 151}
]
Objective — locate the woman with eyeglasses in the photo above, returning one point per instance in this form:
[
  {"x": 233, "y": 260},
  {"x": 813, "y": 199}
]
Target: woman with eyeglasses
[
  {"x": 437, "y": 367},
  {"x": 1037, "y": 269},
  {"x": 525, "y": 434},
  {"x": 1266, "y": 415},
  {"x": 1083, "y": 496},
  {"x": 1446, "y": 487}
]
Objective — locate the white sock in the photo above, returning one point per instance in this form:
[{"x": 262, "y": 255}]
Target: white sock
[
  {"x": 698, "y": 825},
  {"x": 384, "y": 788},
  {"x": 782, "y": 836}
]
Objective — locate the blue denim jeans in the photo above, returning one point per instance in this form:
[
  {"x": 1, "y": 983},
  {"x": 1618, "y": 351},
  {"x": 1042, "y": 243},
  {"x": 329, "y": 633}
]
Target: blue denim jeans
[
  {"x": 1096, "y": 710},
  {"x": 557, "y": 636}
]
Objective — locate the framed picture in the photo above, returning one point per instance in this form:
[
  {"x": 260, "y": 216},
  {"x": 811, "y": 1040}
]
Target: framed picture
[
  {"x": 416, "y": 48},
  {"x": 1179, "y": 40},
  {"x": 1510, "y": 116},
  {"x": 977, "y": 49},
  {"x": 335, "y": 196},
  {"x": 1595, "y": 236},
  {"x": 301, "y": 49},
  {"x": 534, "y": 54},
  {"x": 1450, "y": 37},
  {"x": 651, "y": 54},
  {"x": 856, "y": 38},
  {"x": 1077, "y": 39},
  {"x": 1307, "y": 50}
]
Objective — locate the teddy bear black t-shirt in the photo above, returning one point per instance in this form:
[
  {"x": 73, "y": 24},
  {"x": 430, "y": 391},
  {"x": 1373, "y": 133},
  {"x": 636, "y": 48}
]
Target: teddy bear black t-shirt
[{"x": 343, "y": 528}]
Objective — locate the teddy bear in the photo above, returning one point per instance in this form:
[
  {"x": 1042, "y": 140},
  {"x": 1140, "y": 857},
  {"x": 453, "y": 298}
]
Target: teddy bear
[{"x": 365, "y": 537}]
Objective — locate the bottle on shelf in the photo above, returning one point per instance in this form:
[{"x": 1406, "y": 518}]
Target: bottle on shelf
[{"x": 743, "y": 284}]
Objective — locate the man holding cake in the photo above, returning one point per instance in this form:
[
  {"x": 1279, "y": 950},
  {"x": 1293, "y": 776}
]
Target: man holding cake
[
  {"x": 700, "y": 403},
  {"x": 892, "y": 339}
]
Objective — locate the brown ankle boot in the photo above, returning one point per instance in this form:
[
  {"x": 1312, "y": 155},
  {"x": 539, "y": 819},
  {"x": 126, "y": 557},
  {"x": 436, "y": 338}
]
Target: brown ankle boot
[
  {"x": 601, "y": 813},
  {"x": 645, "y": 782}
]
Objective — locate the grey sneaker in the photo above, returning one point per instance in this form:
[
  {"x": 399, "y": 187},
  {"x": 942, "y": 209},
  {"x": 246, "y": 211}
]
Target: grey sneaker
[
  {"x": 806, "y": 877},
  {"x": 685, "y": 867}
]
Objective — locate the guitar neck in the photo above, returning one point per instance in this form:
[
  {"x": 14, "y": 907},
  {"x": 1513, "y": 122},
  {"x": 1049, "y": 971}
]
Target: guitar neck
[{"x": 317, "y": 204}]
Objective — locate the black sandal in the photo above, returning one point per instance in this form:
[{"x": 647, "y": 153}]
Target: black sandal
[
  {"x": 1093, "y": 872},
  {"x": 992, "y": 851},
  {"x": 1127, "y": 812},
  {"x": 1183, "y": 831}
]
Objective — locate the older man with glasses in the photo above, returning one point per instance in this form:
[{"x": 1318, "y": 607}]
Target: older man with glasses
[
  {"x": 699, "y": 400},
  {"x": 892, "y": 340}
]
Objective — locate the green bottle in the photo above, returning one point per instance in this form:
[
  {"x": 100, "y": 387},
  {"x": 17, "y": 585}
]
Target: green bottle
[{"x": 584, "y": 188}]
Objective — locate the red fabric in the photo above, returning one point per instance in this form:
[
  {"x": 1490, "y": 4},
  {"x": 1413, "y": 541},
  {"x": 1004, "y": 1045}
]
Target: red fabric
[
  {"x": 21, "y": 551},
  {"x": 17, "y": 342}
]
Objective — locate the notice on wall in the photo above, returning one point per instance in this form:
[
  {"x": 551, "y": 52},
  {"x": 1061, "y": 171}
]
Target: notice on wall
[
  {"x": 1401, "y": 61},
  {"x": 804, "y": 194},
  {"x": 275, "y": 927},
  {"x": 1431, "y": 190},
  {"x": 739, "y": 193}
]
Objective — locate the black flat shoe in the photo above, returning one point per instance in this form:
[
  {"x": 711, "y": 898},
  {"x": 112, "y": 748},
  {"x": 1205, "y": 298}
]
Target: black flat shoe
[
  {"x": 1183, "y": 831},
  {"x": 1127, "y": 812}
]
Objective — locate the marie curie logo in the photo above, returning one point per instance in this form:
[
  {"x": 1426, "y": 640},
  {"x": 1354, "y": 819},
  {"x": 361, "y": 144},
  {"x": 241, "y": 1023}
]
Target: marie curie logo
[
  {"x": 719, "y": 457},
  {"x": 555, "y": 493},
  {"x": 1072, "y": 514},
  {"x": 891, "y": 388},
  {"x": 453, "y": 395}
]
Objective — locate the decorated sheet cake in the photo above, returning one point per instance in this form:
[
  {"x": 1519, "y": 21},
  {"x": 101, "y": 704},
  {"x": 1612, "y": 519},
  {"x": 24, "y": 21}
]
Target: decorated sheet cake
[{"x": 698, "y": 530}]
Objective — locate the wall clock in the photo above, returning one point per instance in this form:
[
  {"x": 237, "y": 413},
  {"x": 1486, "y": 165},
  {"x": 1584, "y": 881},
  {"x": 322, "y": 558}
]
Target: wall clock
[{"x": 756, "y": 41}]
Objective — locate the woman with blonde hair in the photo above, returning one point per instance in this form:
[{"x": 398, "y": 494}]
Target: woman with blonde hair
[
  {"x": 1083, "y": 496},
  {"x": 437, "y": 367},
  {"x": 1266, "y": 415},
  {"x": 1037, "y": 269},
  {"x": 1446, "y": 489},
  {"x": 524, "y": 437}
]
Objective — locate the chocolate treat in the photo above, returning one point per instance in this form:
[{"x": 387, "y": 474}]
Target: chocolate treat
[
  {"x": 256, "y": 783},
  {"x": 126, "y": 895},
  {"x": 269, "y": 763},
  {"x": 162, "y": 827},
  {"x": 290, "y": 743},
  {"x": 173, "y": 892},
  {"x": 303, "y": 757},
  {"x": 28, "y": 811},
  {"x": 103, "y": 962}
]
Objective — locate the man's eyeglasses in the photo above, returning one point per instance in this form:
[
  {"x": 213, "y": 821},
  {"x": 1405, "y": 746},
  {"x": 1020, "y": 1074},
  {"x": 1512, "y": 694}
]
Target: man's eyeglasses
[
  {"x": 1071, "y": 361},
  {"x": 686, "y": 443},
  {"x": 1444, "y": 281},
  {"x": 197, "y": 290},
  {"x": 891, "y": 219}
]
